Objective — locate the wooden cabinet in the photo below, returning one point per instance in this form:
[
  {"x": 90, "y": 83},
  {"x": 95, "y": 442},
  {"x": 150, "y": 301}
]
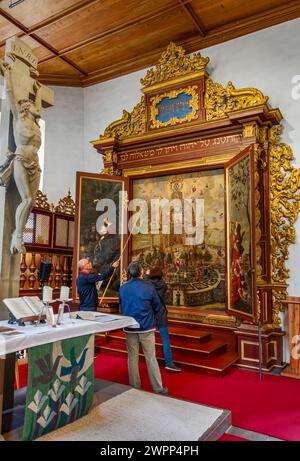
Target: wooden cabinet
[{"x": 293, "y": 370}]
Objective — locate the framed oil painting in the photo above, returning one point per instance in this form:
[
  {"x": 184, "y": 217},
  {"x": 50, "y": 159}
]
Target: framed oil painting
[
  {"x": 240, "y": 235},
  {"x": 97, "y": 237},
  {"x": 194, "y": 273}
]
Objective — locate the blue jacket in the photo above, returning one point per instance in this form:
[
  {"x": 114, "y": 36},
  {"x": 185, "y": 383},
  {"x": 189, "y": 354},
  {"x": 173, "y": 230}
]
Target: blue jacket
[
  {"x": 140, "y": 300},
  {"x": 86, "y": 287}
]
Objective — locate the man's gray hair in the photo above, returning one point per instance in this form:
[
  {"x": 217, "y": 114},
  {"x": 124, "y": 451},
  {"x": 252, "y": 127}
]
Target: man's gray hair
[
  {"x": 134, "y": 269},
  {"x": 82, "y": 263}
]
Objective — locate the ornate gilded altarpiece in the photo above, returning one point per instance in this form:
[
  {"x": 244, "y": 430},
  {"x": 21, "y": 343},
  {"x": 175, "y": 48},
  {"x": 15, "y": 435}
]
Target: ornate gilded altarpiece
[{"x": 192, "y": 137}]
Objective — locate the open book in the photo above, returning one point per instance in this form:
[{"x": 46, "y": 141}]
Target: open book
[{"x": 25, "y": 308}]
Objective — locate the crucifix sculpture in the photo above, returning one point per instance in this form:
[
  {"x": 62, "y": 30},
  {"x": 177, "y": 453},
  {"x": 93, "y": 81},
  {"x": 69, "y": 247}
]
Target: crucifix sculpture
[{"x": 26, "y": 97}]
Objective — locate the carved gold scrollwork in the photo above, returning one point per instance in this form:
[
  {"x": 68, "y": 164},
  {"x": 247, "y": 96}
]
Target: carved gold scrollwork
[
  {"x": 110, "y": 156},
  {"x": 250, "y": 130},
  {"x": 66, "y": 205},
  {"x": 263, "y": 133},
  {"x": 258, "y": 309},
  {"x": 112, "y": 171},
  {"x": 131, "y": 123},
  {"x": 278, "y": 295},
  {"x": 284, "y": 202},
  {"x": 219, "y": 101},
  {"x": 41, "y": 201},
  {"x": 174, "y": 63},
  {"x": 257, "y": 154},
  {"x": 124, "y": 276},
  {"x": 215, "y": 100}
]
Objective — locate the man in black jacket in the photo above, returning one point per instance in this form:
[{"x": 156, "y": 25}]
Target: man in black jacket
[
  {"x": 86, "y": 284},
  {"x": 139, "y": 300}
]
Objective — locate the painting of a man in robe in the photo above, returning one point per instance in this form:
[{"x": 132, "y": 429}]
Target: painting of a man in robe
[
  {"x": 194, "y": 273},
  {"x": 238, "y": 200},
  {"x": 99, "y": 243}
]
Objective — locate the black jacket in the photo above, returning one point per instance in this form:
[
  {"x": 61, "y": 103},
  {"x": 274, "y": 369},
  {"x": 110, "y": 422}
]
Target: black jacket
[
  {"x": 161, "y": 288},
  {"x": 86, "y": 287}
]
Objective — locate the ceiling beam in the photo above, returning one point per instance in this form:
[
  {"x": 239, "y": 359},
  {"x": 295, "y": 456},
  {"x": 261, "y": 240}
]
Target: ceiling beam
[
  {"x": 239, "y": 28},
  {"x": 13, "y": 21},
  {"x": 187, "y": 7},
  {"x": 62, "y": 14},
  {"x": 222, "y": 34},
  {"x": 117, "y": 29},
  {"x": 55, "y": 52},
  {"x": 49, "y": 21},
  {"x": 41, "y": 42}
]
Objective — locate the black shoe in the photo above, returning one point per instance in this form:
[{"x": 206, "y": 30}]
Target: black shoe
[
  {"x": 172, "y": 367},
  {"x": 163, "y": 391}
]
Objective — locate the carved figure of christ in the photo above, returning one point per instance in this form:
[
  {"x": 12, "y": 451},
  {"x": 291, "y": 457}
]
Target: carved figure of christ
[{"x": 23, "y": 164}]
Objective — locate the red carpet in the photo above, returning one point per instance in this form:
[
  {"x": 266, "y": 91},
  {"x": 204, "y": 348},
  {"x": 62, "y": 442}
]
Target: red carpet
[
  {"x": 270, "y": 406},
  {"x": 231, "y": 438}
]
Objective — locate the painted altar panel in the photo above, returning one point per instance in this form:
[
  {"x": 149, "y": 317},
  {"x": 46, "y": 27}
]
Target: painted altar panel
[
  {"x": 240, "y": 248},
  {"x": 98, "y": 237},
  {"x": 195, "y": 273}
]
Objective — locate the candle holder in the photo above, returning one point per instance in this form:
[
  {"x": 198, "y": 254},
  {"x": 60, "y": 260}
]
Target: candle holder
[
  {"x": 61, "y": 310},
  {"x": 46, "y": 310}
]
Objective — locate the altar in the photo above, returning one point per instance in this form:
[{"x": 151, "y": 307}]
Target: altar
[
  {"x": 217, "y": 149},
  {"x": 61, "y": 368}
]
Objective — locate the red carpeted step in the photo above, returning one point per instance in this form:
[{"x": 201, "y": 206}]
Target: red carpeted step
[
  {"x": 207, "y": 350},
  {"x": 175, "y": 333},
  {"x": 192, "y": 336},
  {"x": 182, "y": 348}
]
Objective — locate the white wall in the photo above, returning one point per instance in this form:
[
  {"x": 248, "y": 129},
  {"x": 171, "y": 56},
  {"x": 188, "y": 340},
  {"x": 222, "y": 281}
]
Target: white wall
[
  {"x": 103, "y": 104},
  {"x": 63, "y": 142}
]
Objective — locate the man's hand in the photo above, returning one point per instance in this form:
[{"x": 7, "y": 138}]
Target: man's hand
[{"x": 116, "y": 264}]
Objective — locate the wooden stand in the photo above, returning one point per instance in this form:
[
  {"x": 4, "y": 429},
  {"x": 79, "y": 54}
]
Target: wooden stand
[{"x": 293, "y": 370}]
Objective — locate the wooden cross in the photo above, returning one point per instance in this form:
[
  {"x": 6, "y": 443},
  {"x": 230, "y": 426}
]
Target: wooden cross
[{"x": 24, "y": 65}]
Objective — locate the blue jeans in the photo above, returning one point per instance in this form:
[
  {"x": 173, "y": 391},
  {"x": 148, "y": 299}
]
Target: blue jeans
[{"x": 164, "y": 333}]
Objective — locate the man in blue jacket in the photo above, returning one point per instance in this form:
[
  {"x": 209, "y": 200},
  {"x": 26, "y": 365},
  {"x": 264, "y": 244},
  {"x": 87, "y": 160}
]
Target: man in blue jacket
[
  {"x": 86, "y": 284},
  {"x": 139, "y": 300}
]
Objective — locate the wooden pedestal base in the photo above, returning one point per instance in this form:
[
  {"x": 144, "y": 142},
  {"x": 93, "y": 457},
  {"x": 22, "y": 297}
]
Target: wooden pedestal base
[{"x": 248, "y": 347}]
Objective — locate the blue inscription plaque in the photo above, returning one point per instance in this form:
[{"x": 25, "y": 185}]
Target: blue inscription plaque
[{"x": 178, "y": 107}]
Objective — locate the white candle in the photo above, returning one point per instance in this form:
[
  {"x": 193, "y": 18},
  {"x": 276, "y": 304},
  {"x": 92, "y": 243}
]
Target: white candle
[
  {"x": 47, "y": 293},
  {"x": 64, "y": 293}
]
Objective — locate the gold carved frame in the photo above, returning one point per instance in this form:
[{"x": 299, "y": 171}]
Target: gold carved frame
[{"x": 194, "y": 105}]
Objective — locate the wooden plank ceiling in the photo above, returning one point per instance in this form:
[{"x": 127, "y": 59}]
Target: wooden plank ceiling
[{"x": 83, "y": 42}]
